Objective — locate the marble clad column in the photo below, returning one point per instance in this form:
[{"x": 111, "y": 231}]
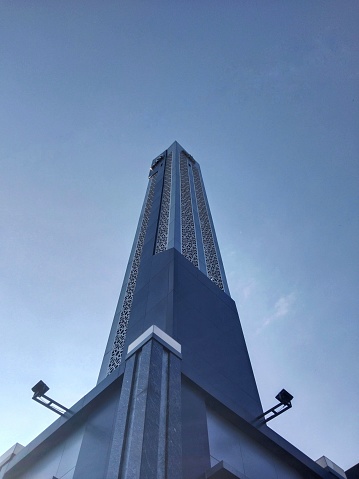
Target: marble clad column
[{"x": 147, "y": 432}]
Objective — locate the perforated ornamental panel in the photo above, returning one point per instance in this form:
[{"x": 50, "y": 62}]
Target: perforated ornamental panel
[
  {"x": 189, "y": 245},
  {"x": 212, "y": 264},
  {"x": 162, "y": 234},
  {"x": 120, "y": 337}
]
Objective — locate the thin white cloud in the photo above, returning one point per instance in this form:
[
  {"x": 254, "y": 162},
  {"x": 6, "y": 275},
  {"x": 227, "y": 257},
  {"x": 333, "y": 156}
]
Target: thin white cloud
[
  {"x": 283, "y": 305},
  {"x": 281, "y": 309},
  {"x": 248, "y": 289}
]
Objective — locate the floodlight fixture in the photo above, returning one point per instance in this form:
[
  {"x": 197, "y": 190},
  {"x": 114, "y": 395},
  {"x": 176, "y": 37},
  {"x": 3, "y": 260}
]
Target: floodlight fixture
[
  {"x": 284, "y": 398},
  {"x": 40, "y": 389},
  {"x": 39, "y": 396}
]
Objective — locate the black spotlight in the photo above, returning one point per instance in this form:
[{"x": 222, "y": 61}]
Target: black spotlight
[
  {"x": 40, "y": 389},
  {"x": 39, "y": 396},
  {"x": 284, "y": 398}
]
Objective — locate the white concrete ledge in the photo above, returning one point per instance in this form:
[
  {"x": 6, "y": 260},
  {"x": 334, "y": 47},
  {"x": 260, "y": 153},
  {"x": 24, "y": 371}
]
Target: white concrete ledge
[{"x": 157, "y": 333}]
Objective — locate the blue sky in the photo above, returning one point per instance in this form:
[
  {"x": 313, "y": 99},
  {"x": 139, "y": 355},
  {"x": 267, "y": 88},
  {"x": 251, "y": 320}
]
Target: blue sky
[{"x": 264, "y": 94}]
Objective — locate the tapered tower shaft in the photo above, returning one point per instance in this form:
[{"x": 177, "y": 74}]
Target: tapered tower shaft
[{"x": 175, "y": 280}]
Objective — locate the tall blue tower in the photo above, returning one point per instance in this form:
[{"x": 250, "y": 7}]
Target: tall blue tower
[
  {"x": 176, "y": 396},
  {"x": 175, "y": 280},
  {"x": 175, "y": 216}
]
